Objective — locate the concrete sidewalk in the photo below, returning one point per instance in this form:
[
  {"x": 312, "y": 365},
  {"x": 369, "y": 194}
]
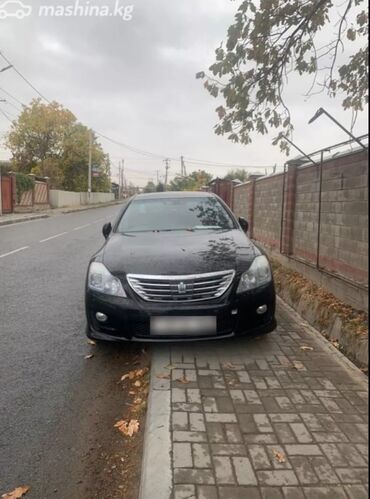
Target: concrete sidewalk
[
  {"x": 13, "y": 218},
  {"x": 256, "y": 418}
]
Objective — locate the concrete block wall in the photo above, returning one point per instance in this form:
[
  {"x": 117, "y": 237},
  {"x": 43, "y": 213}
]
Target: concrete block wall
[
  {"x": 306, "y": 213},
  {"x": 267, "y": 210},
  {"x": 343, "y": 244},
  {"x": 344, "y": 237}
]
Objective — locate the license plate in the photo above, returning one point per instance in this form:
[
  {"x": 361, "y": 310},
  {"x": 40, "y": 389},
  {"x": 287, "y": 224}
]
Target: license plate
[{"x": 178, "y": 326}]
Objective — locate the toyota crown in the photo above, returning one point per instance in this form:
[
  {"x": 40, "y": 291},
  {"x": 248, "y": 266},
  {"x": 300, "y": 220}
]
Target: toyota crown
[{"x": 178, "y": 266}]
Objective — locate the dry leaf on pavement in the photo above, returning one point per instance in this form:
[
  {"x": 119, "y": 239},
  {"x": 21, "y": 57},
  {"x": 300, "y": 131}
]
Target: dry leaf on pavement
[
  {"x": 279, "y": 456},
  {"x": 16, "y": 493},
  {"x": 170, "y": 366},
  {"x": 91, "y": 342},
  {"x": 128, "y": 428},
  {"x": 228, "y": 365},
  {"x": 137, "y": 373},
  {"x": 183, "y": 380},
  {"x": 163, "y": 376},
  {"x": 89, "y": 356},
  {"x": 137, "y": 383},
  {"x": 298, "y": 365},
  {"x": 306, "y": 349}
]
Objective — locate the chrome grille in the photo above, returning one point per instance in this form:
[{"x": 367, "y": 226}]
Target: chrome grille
[{"x": 181, "y": 288}]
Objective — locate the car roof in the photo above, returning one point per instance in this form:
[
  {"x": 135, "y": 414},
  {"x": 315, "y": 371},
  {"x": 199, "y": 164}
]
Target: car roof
[{"x": 174, "y": 194}]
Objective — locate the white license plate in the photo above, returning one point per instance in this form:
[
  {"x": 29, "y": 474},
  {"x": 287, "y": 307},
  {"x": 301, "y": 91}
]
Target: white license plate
[{"x": 177, "y": 326}]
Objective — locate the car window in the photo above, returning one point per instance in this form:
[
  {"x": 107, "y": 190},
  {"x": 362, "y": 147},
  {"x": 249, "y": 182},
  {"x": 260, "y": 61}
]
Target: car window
[{"x": 195, "y": 213}]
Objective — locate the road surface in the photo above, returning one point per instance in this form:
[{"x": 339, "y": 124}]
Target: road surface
[{"x": 57, "y": 408}]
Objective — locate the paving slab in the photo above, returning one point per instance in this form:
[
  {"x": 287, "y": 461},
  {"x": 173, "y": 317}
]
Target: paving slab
[{"x": 256, "y": 418}]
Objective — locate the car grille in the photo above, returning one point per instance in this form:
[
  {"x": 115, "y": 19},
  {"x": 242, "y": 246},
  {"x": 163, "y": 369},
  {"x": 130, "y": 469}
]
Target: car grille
[{"x": 186, "y": 288}]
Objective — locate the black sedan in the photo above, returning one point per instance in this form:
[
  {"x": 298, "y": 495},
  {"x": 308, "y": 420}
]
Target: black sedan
[{"x": 178, "y": 266}]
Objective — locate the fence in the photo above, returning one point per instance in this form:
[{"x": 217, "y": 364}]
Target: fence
[
  {"x": 316, "y": 216},
  {"x": 62, "y": 199},
  {"x": 33, "y": 200}
]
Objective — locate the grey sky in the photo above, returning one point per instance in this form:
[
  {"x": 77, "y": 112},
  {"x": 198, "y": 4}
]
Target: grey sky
[{"x": 135, "y": 82}]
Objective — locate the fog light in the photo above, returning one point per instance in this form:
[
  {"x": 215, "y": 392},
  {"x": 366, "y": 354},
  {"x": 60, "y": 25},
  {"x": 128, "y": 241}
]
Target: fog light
[
  {"x": 262, "y": 309},
  {"x": 101, "y": 317}
]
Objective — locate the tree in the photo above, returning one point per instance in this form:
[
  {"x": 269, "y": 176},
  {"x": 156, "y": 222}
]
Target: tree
[
  {"x": 150, "y": 187},
  {"x": 273, "y": 38},
  {"x": 47, "y": 140},
  {"x": 193, "y": 182},
  {"x": 36, "y": 137},
  {"x": 238, "y": 174}
]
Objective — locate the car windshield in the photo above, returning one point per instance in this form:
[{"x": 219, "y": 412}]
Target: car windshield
[{"x": 168, "y": 214}]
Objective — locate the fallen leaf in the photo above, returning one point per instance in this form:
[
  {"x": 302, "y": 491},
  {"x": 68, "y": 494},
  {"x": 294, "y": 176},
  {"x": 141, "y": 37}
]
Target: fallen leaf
[
  {"x": 183, "y": 380},
  {"x": 298, "y": 365},
  {"x": 89, "y": 356},
  {"x": 279, "y": 456},
  {"x": 137, "y": 373},
  {"x": 228, "y": 365},
  {"x": 91, "y": 342},
  {"x": 306, "y": 349},
  {"x": 132, "y": 392},
  {"x": 138, "y": 401},
  {"x": 16, "y": 493},
  {"x": 163, "y": 376},
  {"x": 128, "y": 428},
  {"x": 170, "y": 366},
  {"x": 335, "y": 343},
  {"x": 137, "y": 383}
]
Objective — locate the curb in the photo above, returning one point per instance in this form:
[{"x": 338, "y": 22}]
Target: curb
[
  {"x": 324, "y": 343},
  {"x": 156, "y": 468},
  {"x": 24, "y": 219},
  {"x": 63, "y": 211}
]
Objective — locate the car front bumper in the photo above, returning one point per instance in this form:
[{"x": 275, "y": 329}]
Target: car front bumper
[{"x": 129, "y": 318}]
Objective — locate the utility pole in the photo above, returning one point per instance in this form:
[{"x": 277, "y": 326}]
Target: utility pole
[
  {"x": 119, "y": 179},
  {"x": 167, "y": 162},
  {"x": 183, "y": 167},
  {"x": 122, "y": 174},
  {"x": 90, "y": 163}
]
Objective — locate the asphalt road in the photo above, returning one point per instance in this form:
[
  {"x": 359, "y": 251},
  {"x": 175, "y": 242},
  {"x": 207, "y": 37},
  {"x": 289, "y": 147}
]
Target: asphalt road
[{"x": 56, "y": 407}]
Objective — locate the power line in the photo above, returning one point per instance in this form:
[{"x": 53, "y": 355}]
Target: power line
[
  {"x": 12, "y": 96},
  {"x": 131, "y": 148},
  {"x": 6, "y": 116},
  {"x": 23, "y": 77}
]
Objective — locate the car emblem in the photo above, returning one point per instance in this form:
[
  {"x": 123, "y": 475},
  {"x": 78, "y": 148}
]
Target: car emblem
[{"x": 181, "y": 288}]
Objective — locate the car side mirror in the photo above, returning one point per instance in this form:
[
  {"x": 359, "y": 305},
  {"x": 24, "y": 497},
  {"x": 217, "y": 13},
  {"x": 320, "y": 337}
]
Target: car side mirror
[
  {"x": 107, "y": 229},
  {"x": 244, "y": 224}
]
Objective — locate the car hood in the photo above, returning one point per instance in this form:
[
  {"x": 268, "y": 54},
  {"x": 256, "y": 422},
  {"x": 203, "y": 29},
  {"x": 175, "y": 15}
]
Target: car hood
[{"x": 178, "y": 253}]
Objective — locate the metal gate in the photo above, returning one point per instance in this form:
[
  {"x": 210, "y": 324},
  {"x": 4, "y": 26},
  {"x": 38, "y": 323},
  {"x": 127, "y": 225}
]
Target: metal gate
[{"x": 6, "y": 194}]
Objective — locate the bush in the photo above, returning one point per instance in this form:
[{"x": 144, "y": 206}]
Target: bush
[{"x": 23, "y": 184}]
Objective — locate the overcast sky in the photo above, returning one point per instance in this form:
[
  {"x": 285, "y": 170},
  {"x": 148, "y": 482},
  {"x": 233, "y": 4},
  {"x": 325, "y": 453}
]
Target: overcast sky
[{"x": 135, "y": 81}]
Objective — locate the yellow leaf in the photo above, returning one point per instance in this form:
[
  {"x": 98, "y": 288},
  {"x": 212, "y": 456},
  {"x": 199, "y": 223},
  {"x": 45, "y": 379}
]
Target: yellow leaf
[
  {"x": 137, "y": 383},
  {"x": 306, "y": 349},
  {"x": 183, "y": 380},
  {"x": 279, "y": 456},
  {"x": 16, "y": 493},
  {"x": 128, "y": 428}
]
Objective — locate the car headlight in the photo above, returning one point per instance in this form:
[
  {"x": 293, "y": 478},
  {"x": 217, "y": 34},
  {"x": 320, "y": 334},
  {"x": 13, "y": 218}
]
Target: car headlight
[
  {"x": 258, "y": 274},
  {"x": 100, "y": 279}
]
